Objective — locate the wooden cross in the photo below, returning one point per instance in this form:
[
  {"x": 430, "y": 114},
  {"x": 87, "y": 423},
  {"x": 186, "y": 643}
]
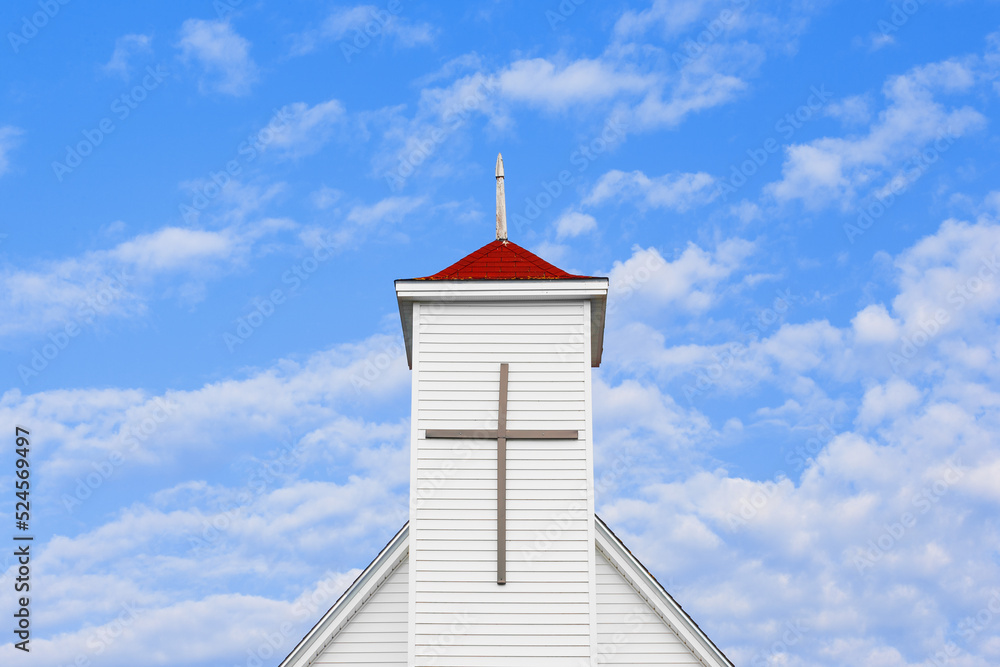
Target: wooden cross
[{"x": 501, "y": 435}]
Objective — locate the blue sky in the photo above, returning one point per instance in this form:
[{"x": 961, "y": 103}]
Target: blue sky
[{"x": 205, "y": 205}]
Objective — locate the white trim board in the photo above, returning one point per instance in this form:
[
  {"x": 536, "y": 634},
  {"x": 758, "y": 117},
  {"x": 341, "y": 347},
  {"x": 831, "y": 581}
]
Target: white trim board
[
  {"x": 617, "y": 554},
  {"x": 344, "y": 609},
  {"x": 646, "y": 585},
  {"x": 594, "y": 290}
]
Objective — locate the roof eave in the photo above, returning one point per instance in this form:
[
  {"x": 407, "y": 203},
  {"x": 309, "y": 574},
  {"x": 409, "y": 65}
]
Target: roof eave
[{"x": 409, "y": 291}]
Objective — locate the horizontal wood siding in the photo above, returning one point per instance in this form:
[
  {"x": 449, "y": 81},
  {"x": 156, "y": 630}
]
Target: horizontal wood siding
[
  {"x": 376, "y": 635},
  {"x": 629, "y": 632},
  {"x": 462, "y": 617}
]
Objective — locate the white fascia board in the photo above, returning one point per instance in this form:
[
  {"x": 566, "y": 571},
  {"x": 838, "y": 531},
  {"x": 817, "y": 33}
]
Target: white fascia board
[
  {"x": 478, "y": 290},
  {"x": 456, "y": 291},
  {"x": 367, "y": 583},
  {"x": 666, "y": 607}
]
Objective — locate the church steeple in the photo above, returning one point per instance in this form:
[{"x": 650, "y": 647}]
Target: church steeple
[
  {"x": 501, "y": 345},
  {"x": 501, "y": 202}
]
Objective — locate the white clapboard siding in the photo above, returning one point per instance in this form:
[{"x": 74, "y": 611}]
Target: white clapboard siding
[
  {"x": 377, "y": 633},
  {"x": 629, "y": 632},
  {"x": 544, "y": 612}
]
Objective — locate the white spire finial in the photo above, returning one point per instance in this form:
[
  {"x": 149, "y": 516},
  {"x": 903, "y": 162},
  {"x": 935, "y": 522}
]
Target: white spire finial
[{"x": 501, "y": 202}]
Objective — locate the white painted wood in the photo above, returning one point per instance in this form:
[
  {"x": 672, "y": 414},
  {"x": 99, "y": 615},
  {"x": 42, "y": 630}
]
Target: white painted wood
[
  {"x": 377, "y": 632},
  {"x": 516, "y": 296},
  {"x": 627, "y": 595},
  {"x": 628, "y": 630},
  {"x": 574, "y": 595},
  {"x": 386, "y": 613},
  {"x": 591, "y": 502},
  {"x": 545, "y": 610},
  {"x": 411, "y": 337}
]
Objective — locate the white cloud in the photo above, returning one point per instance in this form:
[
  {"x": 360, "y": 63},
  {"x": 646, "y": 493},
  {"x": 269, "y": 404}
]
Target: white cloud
[
  {"x": 873, "y": 324},
  {"x": 702, "y": 84},
  {"x": 689, "y": 281},
  {"x": 325, "y": 197},
  {"x": 356, "y": 27},
  {"x": 540, "y": 82},
  {"x": 801, "y": 348},
  {"x": 553, "y": 252},
  {"x": 955, "y": 271},
  {"x": 173, "y": 247},
  {"x": 222, "y": 53},
  {"x": 365, "y": 219},
  {"x": 573, "y": 223},
  {"x": 795, "y": 534},
  {"x": 115, "y": 282},
  {"x": 413, "y": 143},
  {"x": 850, "y": 110},
  {"x": 10, "y": 138},
  {"x": 303, "y": 470},
  {"x": 621, "y": 83},
  {"x": 390, "y": 209},
  {"x": 345, "y": 21},
  {"x": 85, "y": 426},
  {"x": 820, "y": 571},
  {"x": 880, "y": 40},
  {"x": 127, "y": 47},
  {"x": 885, "y": 401},
  {"x": 676, "y": 191},
  {"x": 672, "y": 15},
  {"x": 833, "y": 170},
  {"x": 302, "y": 129}
]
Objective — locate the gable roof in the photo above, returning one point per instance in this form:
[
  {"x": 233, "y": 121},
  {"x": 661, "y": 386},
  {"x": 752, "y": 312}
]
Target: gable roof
[
  {"x": 607, "y": 543},
  {"x": 644, "y": 583},
  {"x": 502, "y": 260},
  {"x": 344, "y": 609}
]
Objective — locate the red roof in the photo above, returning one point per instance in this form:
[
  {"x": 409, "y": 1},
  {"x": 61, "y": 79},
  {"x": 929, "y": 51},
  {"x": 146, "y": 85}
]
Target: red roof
[{"x": 501, "y": 260}]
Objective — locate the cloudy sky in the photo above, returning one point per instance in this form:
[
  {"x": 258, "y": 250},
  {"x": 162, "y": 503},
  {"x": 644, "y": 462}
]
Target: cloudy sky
[{"x": 204, "y": 205}]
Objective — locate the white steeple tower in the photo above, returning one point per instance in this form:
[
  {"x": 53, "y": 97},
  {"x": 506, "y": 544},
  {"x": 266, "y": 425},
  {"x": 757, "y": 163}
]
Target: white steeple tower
[{"x": 503, "y": 561}]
